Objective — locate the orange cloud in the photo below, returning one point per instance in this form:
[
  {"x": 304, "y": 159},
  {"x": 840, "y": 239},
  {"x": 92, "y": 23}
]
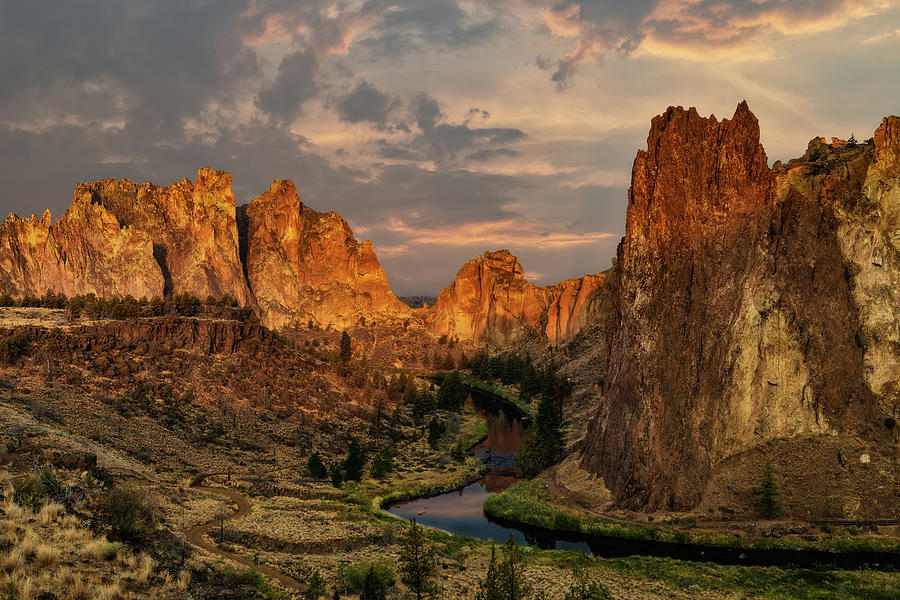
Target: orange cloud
[{"x": 509, "y": 232}]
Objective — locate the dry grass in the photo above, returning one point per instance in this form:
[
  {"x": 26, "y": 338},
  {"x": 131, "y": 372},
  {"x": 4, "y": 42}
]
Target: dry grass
[
  {"x": 13, "y": 561},
  {"x": 79, "y": 589},
  {"x": 47, "y": 555},
  {"x": 27, "y": 589},
  {"x": 69, "y": 522},
  {"x": 30, "y": 544},
  {"x": 50, "y": 512},
  {"x": 184, "y": 581},
  {"x": 145, "y": 570},
  {"x": 90, "y": 547},
  {"x": 110, "y": 591}
]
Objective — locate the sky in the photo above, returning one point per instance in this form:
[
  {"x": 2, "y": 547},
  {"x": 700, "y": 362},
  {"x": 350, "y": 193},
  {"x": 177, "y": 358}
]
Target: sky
[{"x": 437, "y": 128}]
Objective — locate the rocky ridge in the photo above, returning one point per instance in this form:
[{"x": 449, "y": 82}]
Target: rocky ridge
[
  {"x": 120, "y": 238},
  {"x": 746, "y": 304},
  {"x": 491, "y": 303}
]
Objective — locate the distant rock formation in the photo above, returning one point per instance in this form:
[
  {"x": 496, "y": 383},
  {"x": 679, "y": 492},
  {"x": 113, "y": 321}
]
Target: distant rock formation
[
  {"x": 746, "y": 304},
  {"x": 121, "y": 238},
  {"x": 303, "y": 264},
  {"x": 490, "y": 302}
]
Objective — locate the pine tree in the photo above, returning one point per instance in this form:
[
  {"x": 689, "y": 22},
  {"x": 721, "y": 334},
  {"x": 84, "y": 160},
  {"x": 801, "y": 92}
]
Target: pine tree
[
  {"x": 337, "y": 476},
  {"x": 316, "y": 467},
  {"x": 316, "y": 586},
  {"x": 373, "y": 587},
  {"x": 490, "y": 588},
  {"x": 418, "y": 562},
  {"x": 512, "y": 572},
  {"x": 346, "y": 350},
  {"x": 355, "y": 463},
  {"x": 769, "y": 492}
]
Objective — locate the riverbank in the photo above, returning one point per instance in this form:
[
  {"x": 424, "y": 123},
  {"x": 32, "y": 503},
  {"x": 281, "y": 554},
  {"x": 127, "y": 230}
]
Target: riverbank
[{"x": 531, "y": 504}]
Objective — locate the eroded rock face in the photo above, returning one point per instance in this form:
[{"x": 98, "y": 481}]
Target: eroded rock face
[
  {"x": 490, "y": 302},
  {"x": 192, "y": 226},
  {"x": 745, "y": 304},
  {"x": 568, "y": 313},
  {"x": 86, "y": 251},
  {"x": 304, "y": 264}
]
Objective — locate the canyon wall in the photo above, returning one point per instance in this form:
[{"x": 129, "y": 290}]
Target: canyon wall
[
  {"x": 121, "y": 238},
  {"x": 491, "y": 303},
  {"x": 303, "y": 264},
  {"x": 745, "y": 304}
]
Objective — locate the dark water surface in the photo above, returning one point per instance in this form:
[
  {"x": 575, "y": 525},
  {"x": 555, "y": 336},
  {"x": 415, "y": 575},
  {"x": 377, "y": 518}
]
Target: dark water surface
[{"x": 460, "y": 512}]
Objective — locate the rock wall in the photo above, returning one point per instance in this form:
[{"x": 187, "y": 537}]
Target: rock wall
[
  {"x": 746, "y": 304},
  {"x": 303, "y": 264},
  {"x": 121, "y": 238},
  {"x": 490, "y": 302}
]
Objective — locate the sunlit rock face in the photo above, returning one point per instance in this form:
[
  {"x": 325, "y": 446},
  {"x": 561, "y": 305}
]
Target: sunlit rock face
[
  {"x": 745, "y": 304},
  {"x": 303, "y": 264},
  {"x": 192, "y": 226},
  {"x": 490, "y": 302},
  {"x": 568, "y": 312},
  {"x": 87, "y": 251}
]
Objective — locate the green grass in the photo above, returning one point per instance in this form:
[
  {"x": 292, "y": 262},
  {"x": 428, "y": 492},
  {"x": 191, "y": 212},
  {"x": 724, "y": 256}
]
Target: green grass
[
  {"x": 530, "y": 503},
  {"x": 777, "y": 583},
  {"x": 473, "y": 429},
  {"x": 254, "y": 579}
]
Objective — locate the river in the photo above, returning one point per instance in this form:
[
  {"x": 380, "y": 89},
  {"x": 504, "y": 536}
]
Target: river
[{"x": 460, "y": 512}]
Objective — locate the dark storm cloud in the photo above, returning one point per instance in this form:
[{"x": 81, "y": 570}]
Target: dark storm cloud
[
  {"x": 154, "y": 64},
  {"x": 294, "y": 85},
  {"x": 366, "y": 103},
  {"x": 408, "y": 26}
]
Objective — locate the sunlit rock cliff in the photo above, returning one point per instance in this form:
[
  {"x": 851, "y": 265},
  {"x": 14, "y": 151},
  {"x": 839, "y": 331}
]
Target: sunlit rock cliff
[
  {"x": 746, "y": 303},
  {"x": 490, "y": 302}
]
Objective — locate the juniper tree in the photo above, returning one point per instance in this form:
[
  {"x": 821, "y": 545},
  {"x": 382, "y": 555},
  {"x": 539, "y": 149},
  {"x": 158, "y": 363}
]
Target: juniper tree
[
  {"x": 418, "y": 562},
  {"x": 769, "y": 492}
]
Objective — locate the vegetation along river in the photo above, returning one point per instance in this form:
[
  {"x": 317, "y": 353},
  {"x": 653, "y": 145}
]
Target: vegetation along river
[{"x": 460, "y": 512}]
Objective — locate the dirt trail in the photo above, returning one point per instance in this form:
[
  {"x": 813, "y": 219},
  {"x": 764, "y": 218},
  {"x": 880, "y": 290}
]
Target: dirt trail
[{"x": 197, "y": 539}]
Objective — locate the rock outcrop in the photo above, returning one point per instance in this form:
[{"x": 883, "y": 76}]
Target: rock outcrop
[
  {"x": 303, "y": 264},
  {"x": 490, "y": 302},
  {"x": 192, "y": 225},
  {"x": 746, "y": 304},
  {"x": 87, "y": 251},
  {"x": 121, "y": 238}
]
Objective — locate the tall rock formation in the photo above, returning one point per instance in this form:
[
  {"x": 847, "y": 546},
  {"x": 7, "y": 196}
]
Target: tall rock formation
[
  {"x": 304, "y": 264},
  {"x": 490, "y": 302},
  {"x": 746, "y": 304},
  {"x": 87, "y": 251},
  {"x": 192, "y": 225},
  {"x": 119, "y": 238}
]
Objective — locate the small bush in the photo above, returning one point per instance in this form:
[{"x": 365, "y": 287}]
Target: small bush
[
  {"x": 109, "y": 550},
  {"x": 316, "y": 467},
  {"x": 131, "y": 515},
  {"x": 353, "y": 577},
  {"x": 12, "y": 347}
]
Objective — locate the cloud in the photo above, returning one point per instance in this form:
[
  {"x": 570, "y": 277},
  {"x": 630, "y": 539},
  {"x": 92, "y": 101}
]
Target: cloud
[
  {"x": 366, "y": 103},
  {"x": 699, "y": 30},
  {"x": 881, "y": 37},
  {"x": 294, "y": 85}
]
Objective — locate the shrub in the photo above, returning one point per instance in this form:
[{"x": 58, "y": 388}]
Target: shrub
[
  {"x": 353, "y": 577},
  {"x": 382, "y": 464},
  {"x": 12, "y": 347},
  {"x": 337, "y": 476},
  {"x": 131, "y": 514},
  {"x": 316, "y": 467},
  {"x": 109, "y": 550}
]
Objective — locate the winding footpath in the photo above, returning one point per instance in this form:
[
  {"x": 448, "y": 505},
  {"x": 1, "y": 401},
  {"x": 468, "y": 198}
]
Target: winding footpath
[{"x": 197, "y": 534}]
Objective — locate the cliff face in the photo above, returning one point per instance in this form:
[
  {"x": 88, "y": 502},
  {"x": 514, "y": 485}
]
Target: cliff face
[
  {"x": 746, "y": 304},
  {"x": 490, "y": 302},
  {"x": 119, "y": 238},
  {"x": 304, "y": 264},
  {"x": 192, "y": 225},
  {"x": 86, "y": 251}
]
